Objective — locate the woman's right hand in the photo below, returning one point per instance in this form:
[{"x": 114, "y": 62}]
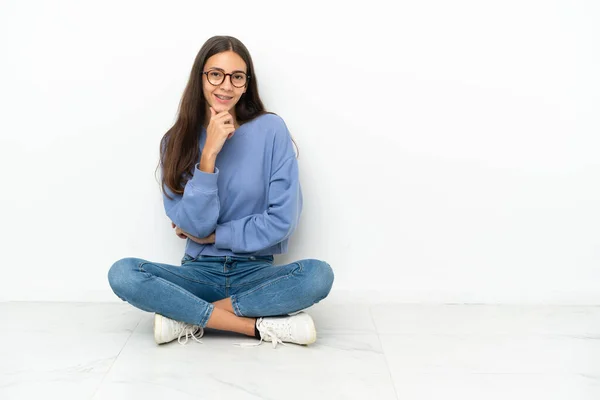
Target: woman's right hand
[
  {"x": 220, "y": 128},
  {"x": 178, "y": 231},
  {"x": 209, "y": 239}
]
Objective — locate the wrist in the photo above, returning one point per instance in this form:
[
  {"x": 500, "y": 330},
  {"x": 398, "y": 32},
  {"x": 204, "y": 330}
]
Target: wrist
[
  {"x": 207, "y": 162},
  {"x": 209, "y": 154}
]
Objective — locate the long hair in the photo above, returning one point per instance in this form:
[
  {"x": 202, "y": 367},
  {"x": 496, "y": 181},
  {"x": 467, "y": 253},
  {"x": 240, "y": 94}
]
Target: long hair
[{"x": 179, "y": 147}]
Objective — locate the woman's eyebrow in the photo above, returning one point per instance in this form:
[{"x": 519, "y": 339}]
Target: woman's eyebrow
[{"x": 221, "y": 69}]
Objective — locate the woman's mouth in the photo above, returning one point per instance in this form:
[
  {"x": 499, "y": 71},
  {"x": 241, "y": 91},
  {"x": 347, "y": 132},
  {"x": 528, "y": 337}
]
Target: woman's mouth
[{"x": 223, "y": 99}]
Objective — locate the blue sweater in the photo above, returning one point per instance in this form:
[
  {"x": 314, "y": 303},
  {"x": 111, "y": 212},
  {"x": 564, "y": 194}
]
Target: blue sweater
[{"x": 252, "y": 201}]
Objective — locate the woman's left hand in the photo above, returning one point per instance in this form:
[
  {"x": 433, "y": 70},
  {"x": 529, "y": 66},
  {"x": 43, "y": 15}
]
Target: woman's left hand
[
  {"x": 206, "y": 240},
  {"x": 179, "y": 232}
]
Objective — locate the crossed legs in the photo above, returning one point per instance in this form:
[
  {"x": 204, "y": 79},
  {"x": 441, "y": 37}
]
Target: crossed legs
[
  {"x": 285, "y": 288},
  {"x": 223, "y": 318}
]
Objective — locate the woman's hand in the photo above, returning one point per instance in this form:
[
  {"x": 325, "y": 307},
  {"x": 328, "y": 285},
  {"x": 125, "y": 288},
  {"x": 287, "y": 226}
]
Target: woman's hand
[
  {"x": 179, "y": 232},
  {"x": 184, "y": 235},
  {"x": 207, "y": 240},
  {"x": 220, "y": 128}
]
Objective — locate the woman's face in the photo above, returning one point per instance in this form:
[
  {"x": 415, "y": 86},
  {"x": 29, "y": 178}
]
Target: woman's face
[{"x": 226, "y": 62}]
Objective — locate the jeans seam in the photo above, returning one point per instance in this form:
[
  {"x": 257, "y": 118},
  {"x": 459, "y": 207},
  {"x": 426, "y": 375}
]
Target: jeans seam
[
  {"x": 180, "y": 276},
  {"x": 207, "y": 314},
  {"x": 236, "y": 306},
  {"x": 239, "y": 285},
  {"x": 267, "y": 284},
  {"x": 141, "y": 270},
  {"x": 181, "y": 290}
]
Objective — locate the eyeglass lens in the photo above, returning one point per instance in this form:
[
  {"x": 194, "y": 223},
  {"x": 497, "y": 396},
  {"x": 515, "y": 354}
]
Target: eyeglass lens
[{"x": 238, "y": 79}]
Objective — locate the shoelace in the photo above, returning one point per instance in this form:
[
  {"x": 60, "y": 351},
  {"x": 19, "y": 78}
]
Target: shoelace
[
  {"x": 190, "y": 331},
  {"x": 275, "y": 330},
  {"x": 272, "y": 336}
]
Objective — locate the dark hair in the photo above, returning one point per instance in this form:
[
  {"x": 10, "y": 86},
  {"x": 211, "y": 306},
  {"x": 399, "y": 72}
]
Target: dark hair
[{"x": 179, "y": 147}]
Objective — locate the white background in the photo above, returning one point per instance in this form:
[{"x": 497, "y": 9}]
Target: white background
[{"x": 449, "y": 151}]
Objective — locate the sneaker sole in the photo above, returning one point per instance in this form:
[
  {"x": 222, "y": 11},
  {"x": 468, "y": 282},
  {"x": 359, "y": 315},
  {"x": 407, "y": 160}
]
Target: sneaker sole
[
  {"x": 312, "y": 331},
  {"x": 157, "y": 328}
]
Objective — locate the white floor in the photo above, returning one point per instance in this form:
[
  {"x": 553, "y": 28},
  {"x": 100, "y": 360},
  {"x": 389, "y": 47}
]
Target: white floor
[{"x": 106, "y": 351}]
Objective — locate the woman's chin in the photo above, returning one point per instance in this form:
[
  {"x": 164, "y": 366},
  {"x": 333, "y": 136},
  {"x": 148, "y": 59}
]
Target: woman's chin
[{"x": 220, "y": 108}]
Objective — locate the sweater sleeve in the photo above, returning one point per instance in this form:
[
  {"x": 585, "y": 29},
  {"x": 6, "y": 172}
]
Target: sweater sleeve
[
  {"x": 260, "y": 231},
  {"x": 197, "y": 210}
]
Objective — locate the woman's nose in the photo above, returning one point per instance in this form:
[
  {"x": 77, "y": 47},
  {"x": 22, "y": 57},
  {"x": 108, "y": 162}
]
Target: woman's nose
[{"x": 227, "y": 82}]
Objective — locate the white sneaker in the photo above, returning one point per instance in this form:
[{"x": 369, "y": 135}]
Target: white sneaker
[
  {"x": 298, "y": 328},
  {"x": 167, "y": 330}
]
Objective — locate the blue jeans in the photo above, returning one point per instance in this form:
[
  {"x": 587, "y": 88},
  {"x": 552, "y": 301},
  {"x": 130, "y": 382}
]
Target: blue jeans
[{"x": 257, "y": 287}]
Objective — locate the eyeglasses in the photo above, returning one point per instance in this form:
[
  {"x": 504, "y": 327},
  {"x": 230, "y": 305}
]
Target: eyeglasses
[{"x": 216, "y": 77}]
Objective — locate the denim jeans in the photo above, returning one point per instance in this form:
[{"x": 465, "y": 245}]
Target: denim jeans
[{"x": 257, "y": 287}]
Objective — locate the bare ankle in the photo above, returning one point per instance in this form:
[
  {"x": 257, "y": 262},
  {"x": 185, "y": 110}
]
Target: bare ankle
[
  {"x": 224, "y": 304},
  {"x": 226, "y": 321}
]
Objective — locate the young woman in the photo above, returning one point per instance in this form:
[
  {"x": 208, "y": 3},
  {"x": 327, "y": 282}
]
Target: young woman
[{"x": 231, "y": 189}]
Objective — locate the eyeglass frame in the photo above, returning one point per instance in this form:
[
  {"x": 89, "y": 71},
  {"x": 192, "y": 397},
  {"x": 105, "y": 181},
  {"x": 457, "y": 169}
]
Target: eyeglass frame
[{"x": 225, "y": 76}]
